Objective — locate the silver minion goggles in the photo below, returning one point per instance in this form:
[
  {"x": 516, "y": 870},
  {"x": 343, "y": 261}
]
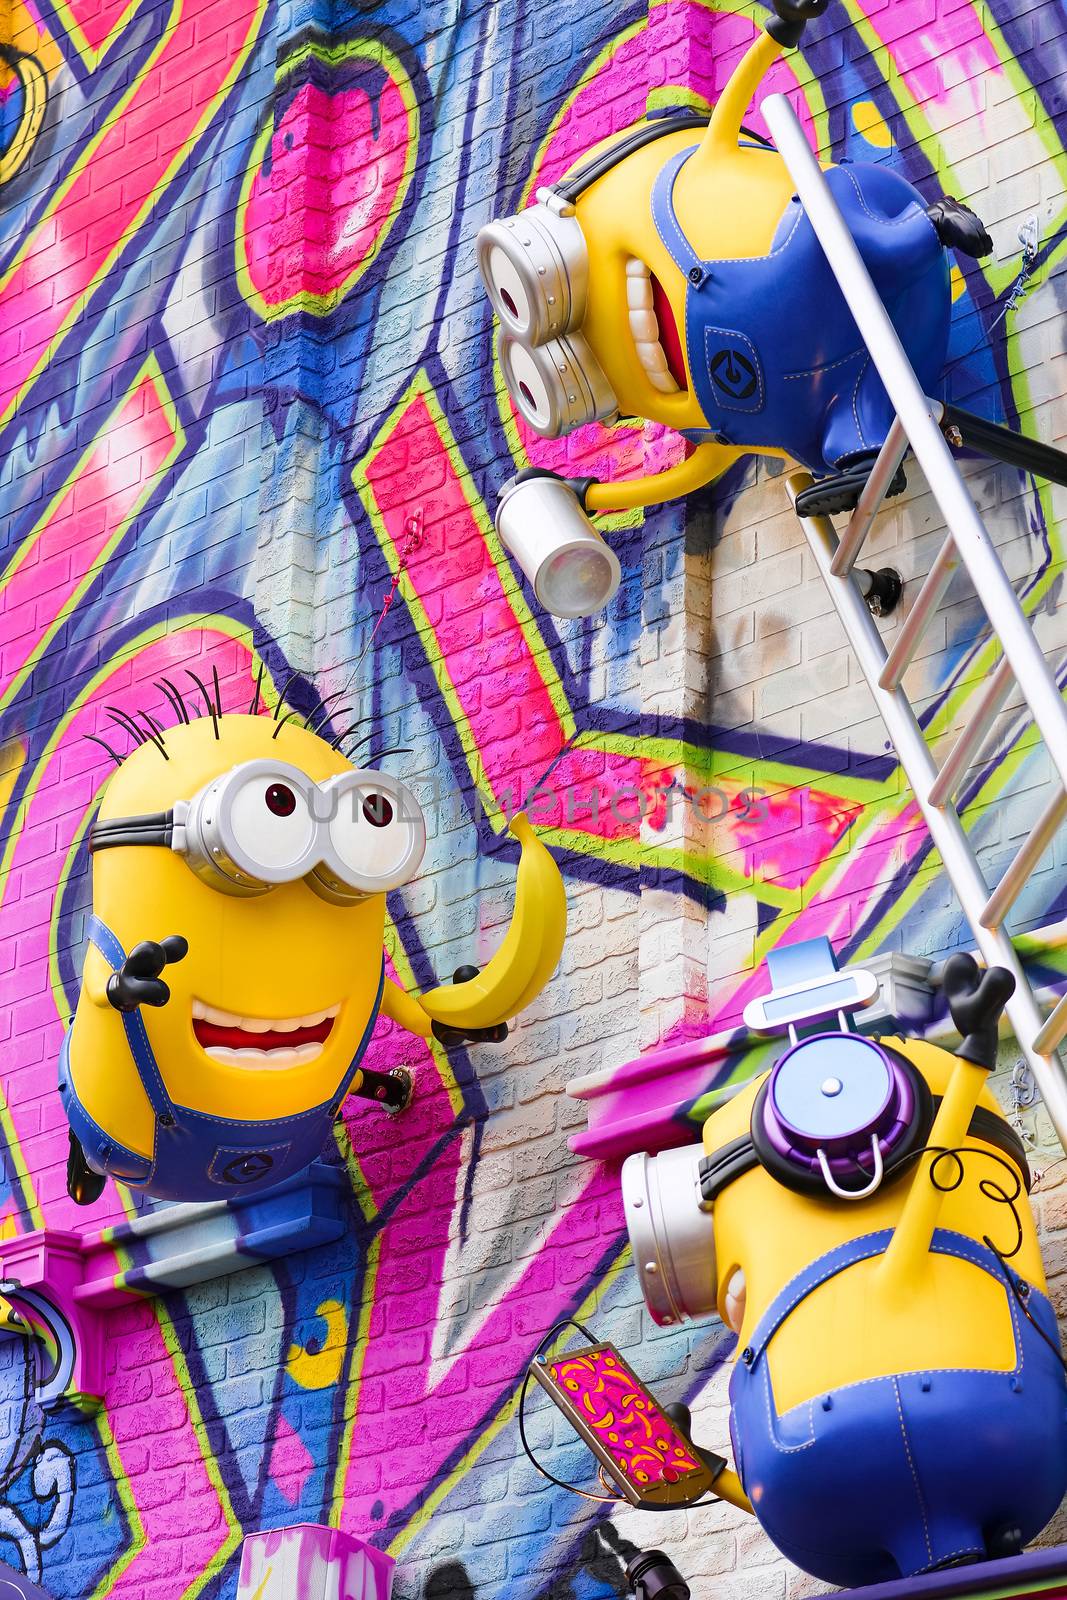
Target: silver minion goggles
[
  {"x": 535, "y": 268},
  {"x": 265, "y": 823}
]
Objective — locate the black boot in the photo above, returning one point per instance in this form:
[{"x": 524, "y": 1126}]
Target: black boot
[
  {"x": 957, "y": 227},
  {"x": 840, "y": 492},
  {"x": 83, "y": 1184}
]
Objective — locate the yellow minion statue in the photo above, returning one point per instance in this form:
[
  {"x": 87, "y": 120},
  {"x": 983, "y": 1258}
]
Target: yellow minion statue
[{"x": 235, "y": 966}]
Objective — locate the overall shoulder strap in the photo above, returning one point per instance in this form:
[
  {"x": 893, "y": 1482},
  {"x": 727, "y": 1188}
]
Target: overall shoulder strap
[
  {"x": 361, "y": 1049},
  {"x": 136, "y": 1037},
  {"x": 668, "y": 227}
]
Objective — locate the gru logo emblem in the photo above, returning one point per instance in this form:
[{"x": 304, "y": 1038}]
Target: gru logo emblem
[{"x": 734, "y": 374}]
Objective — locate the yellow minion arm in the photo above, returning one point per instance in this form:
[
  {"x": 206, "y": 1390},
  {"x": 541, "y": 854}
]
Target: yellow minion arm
[
  {"x": 707, "y": 462},
  {"x": 728, "y": 1487},
  {"x": 906, "y": 1256},
  {"x": 724, "y": 129},
  {"x": 405, "y": 1009}
]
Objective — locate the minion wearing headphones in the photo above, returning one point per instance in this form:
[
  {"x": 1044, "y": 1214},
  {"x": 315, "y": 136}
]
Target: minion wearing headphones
[
  {"x": 248, "y": 860},
  {"x": 858, "y": 1217},
  {"x": 673, "y": 275}
]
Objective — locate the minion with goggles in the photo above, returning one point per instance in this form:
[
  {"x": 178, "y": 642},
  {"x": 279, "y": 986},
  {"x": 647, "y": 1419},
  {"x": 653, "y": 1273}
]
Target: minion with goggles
[
  {"x": 859, "y": 1217},
  {"x": 674, "y": 276},
  {"x": 249, "y": 861}
]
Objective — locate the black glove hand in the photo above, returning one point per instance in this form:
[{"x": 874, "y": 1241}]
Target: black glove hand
[
  {"x": 976, "y": 1002},
  {"x": 137, "y": 982},
  {"x": 793, "y": 17},
  {"x": 451, "y": 1037}
]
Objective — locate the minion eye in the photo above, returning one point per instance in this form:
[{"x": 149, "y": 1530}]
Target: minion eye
[
  {"x": 535, "y": 268},
  {"x": 558, "y": 386},
  {"x": 377, "y": 836},
  {"x": 271, "y": 823}
]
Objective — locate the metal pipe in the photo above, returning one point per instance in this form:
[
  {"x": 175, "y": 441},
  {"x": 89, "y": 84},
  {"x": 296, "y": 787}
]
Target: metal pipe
[
  {"x": 931, "y": 449},
  {"x": 974, "y": 735},
  {"x": 1050, "y": 1035},
  {"x": 870, "y": 501},
  {"x": 1026, "y": 858},
  {"x": 920, "y": 616},
  {"x": 945, "y": 827},
  {"x": 1014, "y": 449}
]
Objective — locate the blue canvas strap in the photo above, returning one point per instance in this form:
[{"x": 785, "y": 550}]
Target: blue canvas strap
[
  {"x": 945, "y": 1242},
  {"x": 136, "y": 1037},
  {"x": 667, "y": 225},
  {"x": 361, "y": 1048}
]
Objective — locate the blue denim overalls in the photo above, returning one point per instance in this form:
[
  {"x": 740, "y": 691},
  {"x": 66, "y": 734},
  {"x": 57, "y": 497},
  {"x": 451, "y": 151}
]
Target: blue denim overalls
[
  {"x": 774, "y": 354},
  {"x": 899, "y": 1475}
]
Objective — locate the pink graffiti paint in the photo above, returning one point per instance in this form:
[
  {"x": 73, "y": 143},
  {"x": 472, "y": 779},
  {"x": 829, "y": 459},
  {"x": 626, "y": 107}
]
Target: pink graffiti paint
[
  {"x": 317, "y": 211},
  {"x": 118, "y": 177},
  {"x": 290, "y": 1463},
  {"x": 95, "y": 20},
  {"x": 948, "y": 65},
  {"x": 309, "y": 1562},
  {"x": 104, "y": 491},
  {"x": 497, "y": 680}
]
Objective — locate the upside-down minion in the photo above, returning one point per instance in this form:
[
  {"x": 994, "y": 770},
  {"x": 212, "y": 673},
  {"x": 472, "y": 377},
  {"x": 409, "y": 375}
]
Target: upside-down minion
[
  {"x": 248, "y": 860},
  {"x": 673, "y": 275},
  {"x": 858, "y": 1216}
]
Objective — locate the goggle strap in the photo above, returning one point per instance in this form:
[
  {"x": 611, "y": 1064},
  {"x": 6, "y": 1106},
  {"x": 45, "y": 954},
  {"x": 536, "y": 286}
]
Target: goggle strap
[{"x": 154, "y": 828}]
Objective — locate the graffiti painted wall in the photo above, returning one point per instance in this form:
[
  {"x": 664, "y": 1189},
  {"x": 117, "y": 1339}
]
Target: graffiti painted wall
[{"x": 250, "y": 412}]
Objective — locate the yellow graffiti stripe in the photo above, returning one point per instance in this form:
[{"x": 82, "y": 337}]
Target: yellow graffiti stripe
[
  {"x": 85, "y": 159},
  {"x": 35, "y": 99},
  {"x": 320, "y": 305},
  {"x": 503, "y": 1416},
  {"x": 90, "y": 56},
  {"x": 120, "y": 1478},
  {"x": 151, "y": 373}
]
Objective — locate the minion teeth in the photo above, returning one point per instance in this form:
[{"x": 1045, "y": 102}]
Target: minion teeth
[
  {"x": 644, "y": 327},
  {"x": 228, "y": 1038}
]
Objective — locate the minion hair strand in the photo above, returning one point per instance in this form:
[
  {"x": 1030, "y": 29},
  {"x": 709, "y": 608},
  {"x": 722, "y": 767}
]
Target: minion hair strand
[
  {"x": 208, "y": 702},
  {"x": 253, "y": 709},
  {"x": 174, "y": 696},
  {"x": 117, "y": 759}
]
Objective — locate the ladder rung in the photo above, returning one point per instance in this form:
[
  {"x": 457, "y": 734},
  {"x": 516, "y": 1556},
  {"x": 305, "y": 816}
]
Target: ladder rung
[
  {"x": 870, "y": 501},
  {"x": 974, "y": 734},
  {"x": 1051, "y": 1035},
  {"x": 1033, "y": 848},
  {"x": 919, "y": 617}
]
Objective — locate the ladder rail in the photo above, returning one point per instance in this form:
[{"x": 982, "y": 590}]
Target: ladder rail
[
  {"x": 931, "y": 449},
  {"x": 946, "y": 829}
]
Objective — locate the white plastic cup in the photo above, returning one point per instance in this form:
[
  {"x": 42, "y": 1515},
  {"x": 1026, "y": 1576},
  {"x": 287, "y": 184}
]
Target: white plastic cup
[{"x": 541, "y": 523}]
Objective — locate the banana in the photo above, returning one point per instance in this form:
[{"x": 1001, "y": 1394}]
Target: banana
[{"x": 528, "y": 955}]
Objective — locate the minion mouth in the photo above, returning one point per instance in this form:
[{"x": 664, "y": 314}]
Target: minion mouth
[
  {"x": 653, "y": 329},
  {"x": 261, "y": 1042}
]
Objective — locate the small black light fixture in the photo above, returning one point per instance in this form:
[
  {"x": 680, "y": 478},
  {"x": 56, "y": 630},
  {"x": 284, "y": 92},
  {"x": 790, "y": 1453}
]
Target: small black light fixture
[{"x": 653, "y": 1576}]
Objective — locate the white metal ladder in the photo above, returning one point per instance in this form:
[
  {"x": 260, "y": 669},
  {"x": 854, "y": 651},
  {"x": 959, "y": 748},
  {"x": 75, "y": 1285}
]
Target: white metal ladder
[{"x": 916, "y": 425}]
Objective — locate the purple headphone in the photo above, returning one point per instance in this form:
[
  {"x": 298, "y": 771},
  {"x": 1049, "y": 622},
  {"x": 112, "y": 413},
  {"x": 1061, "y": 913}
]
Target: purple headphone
[{"x": 839, "y": 1112}]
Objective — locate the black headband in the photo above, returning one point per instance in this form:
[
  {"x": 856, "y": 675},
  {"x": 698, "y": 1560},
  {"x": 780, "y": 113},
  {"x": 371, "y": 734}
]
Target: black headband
[
  {"x": 156, "y": 828},
  {"x": 679, "y": 122}
]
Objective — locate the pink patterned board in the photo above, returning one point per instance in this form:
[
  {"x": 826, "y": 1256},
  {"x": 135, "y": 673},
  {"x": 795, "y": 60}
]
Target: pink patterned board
[{"x": 638, "y": 1446}]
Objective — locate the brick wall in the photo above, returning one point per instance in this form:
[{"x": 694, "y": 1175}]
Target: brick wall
[{"x": 242, "y": 344}]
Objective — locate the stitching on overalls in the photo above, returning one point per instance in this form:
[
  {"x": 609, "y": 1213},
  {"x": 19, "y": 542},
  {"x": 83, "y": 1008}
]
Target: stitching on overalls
[{"x": 914, "y": 1474}]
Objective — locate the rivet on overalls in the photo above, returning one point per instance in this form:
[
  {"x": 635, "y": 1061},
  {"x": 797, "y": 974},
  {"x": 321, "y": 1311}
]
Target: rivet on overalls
[
  {"x": 166, "y": 1120},
  {"x": 748, "y": 1355},
  {"x": 696, "y": 274},
  {"x": 827, "y": 1401}
]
